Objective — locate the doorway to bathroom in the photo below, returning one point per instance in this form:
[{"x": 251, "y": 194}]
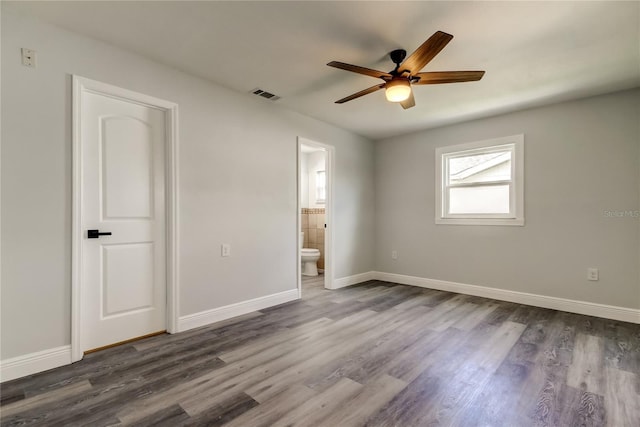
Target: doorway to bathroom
[{"x": 314, "y": 209}]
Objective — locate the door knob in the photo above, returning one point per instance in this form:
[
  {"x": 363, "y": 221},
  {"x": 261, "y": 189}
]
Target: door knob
[{"x": 95, "y": 234}]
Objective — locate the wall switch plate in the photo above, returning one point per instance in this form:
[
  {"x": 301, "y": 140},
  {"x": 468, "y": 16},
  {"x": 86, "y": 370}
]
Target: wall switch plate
[
  {"x": 28, "y": 57},
  {"x": 592, "y": 274},
  {"x": 225, "y": 249},
  {"x": 394, "y": 254}
]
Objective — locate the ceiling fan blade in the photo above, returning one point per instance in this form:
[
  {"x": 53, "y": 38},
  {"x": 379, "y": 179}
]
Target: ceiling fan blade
[
  {"x": 426, "y": 52},
  {"x": 409, "y": 102},
  {"x": 361, "y": 93},
  {"x": 360, "y": 70},
  {"x": 437, "y": 77}
]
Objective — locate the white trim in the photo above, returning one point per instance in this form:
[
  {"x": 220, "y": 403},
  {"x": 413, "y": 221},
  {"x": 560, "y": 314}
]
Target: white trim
[
  {"x": 207, "y": 317},
  {"x": 80, "y": 85},
  {"x": 354, "y": 280},
  {"x": 172, "y": 174},
  {"x": 330, "y": 157},
  {"x": 32, "y": 363},
  {"x": 481, "y": 221},
  {"x": 573, "y": 306},
  {"x": 298, "y": 216},
  {"x": 76, "y": 220}
]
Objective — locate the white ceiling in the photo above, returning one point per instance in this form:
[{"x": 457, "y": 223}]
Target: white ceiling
[{"x": 533, "y": 53}]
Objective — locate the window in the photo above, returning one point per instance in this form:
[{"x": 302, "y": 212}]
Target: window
[
  {"x": 481, "y": 183},
  {"x": 321, "y": 187}
]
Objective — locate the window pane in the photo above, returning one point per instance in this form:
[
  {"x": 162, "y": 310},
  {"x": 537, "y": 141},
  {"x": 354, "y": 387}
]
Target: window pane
[
  {"x": 492, "y": 199},
  {"x": 480, "y": 168}
]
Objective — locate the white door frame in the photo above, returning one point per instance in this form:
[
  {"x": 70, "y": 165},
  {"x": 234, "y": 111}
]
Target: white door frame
[
  {"x": 328, "y": 232},
  {"x": 80, "y": 85}
]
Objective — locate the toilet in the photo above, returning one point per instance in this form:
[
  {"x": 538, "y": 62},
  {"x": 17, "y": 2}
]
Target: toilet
[{"x": 309, "y": 258}]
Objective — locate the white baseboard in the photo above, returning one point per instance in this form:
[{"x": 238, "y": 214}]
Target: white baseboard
[
  {"x": 573, "y": 306},
  {"x": 352, "y": 280},
  {"x": 203, "y": 318},
  {"x": 32, "y": 363}
]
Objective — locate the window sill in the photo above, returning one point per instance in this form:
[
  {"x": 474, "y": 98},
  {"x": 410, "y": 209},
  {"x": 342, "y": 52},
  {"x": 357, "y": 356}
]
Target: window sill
[{"x": 481, "y": 221}]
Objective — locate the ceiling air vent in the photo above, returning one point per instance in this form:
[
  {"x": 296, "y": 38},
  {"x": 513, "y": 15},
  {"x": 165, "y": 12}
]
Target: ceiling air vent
[{"x": 263, "y": 93}]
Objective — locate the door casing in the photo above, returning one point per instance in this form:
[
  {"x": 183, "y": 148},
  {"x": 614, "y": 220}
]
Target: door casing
[{"x": 81, "y": 85}]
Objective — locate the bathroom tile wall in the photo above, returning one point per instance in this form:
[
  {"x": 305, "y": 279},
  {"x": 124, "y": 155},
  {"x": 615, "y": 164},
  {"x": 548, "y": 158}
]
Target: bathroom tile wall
[{"x": 313, "y": 227}]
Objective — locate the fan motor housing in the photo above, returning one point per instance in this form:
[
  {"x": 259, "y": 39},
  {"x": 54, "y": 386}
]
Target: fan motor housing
[{"x": 398, "y": 55}]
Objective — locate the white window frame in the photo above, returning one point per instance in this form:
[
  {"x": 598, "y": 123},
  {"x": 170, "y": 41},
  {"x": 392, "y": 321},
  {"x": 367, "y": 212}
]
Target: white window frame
[{"x": 515, "y": 144}]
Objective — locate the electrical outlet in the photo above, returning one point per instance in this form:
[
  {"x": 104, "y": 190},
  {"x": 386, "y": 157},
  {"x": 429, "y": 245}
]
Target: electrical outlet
[
  {"x": 28, "y": 57},
  {"x": 592, "y": 274},
  {"x": 226, "y": 249},
  {"x": 394, "y": 254}
]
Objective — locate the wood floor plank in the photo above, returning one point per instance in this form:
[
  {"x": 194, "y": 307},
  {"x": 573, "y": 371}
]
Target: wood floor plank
[
  {"x": 506, "y": 400},
  {"x": 428, "y": 378},
  {"x": 452, "y": 317},
  {"x": 266, "y": 414},
  {"x": 583, "y": 408},
  {"x": 314, "y": 410},
  {"x": 424, "y": 353},
  {"x": 422, "y": 298},
  {"x": 395, "y": 296},
  {"x": 622, "y": 346},
  {"x": 585, "y": 371},
  {"x": 291, "y": 336},
  {"x": 621, "y": 398},
  {"x": 172, "y": 416},
  {"x": 466, "y": 382},
  {"x": 11, "y": 396},
  {"x": 474, "y": 317},
  {"x": 406, "y": 406},
  {"x": 355, "y": 411},
  {"x": 381, "y": 358},
  {"x": 223, "y": 412},
  {"x": 45, "y": 398},
  {"x": 375, "y": 293},
  {"x": 441, "y": 317},
  {"x": 501, "y": 314}
]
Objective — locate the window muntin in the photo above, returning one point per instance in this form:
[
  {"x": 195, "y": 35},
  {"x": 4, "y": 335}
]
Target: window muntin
[{"x": 481, "y": 182}]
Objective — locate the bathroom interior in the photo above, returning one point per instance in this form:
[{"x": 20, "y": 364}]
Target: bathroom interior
[{"x": 313, "y": 194}]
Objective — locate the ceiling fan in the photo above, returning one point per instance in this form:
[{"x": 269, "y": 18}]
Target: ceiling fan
[{"x": 398, "y": 82}]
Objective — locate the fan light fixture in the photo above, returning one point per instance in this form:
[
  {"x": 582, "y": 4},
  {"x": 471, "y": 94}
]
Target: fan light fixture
[{"x": 397, "y": 90}]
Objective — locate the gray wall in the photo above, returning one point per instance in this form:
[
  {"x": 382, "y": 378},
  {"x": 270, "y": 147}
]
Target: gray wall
[
  {"x": 581, "y": 158},
  {"x": 237, "y": 184}
]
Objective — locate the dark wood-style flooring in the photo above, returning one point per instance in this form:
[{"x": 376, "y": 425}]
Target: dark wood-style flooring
[{"x": 376, "y": 354}]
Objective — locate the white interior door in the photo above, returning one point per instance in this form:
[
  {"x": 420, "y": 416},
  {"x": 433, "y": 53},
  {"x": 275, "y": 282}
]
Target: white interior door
[{"x": 123, "y": 193}]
